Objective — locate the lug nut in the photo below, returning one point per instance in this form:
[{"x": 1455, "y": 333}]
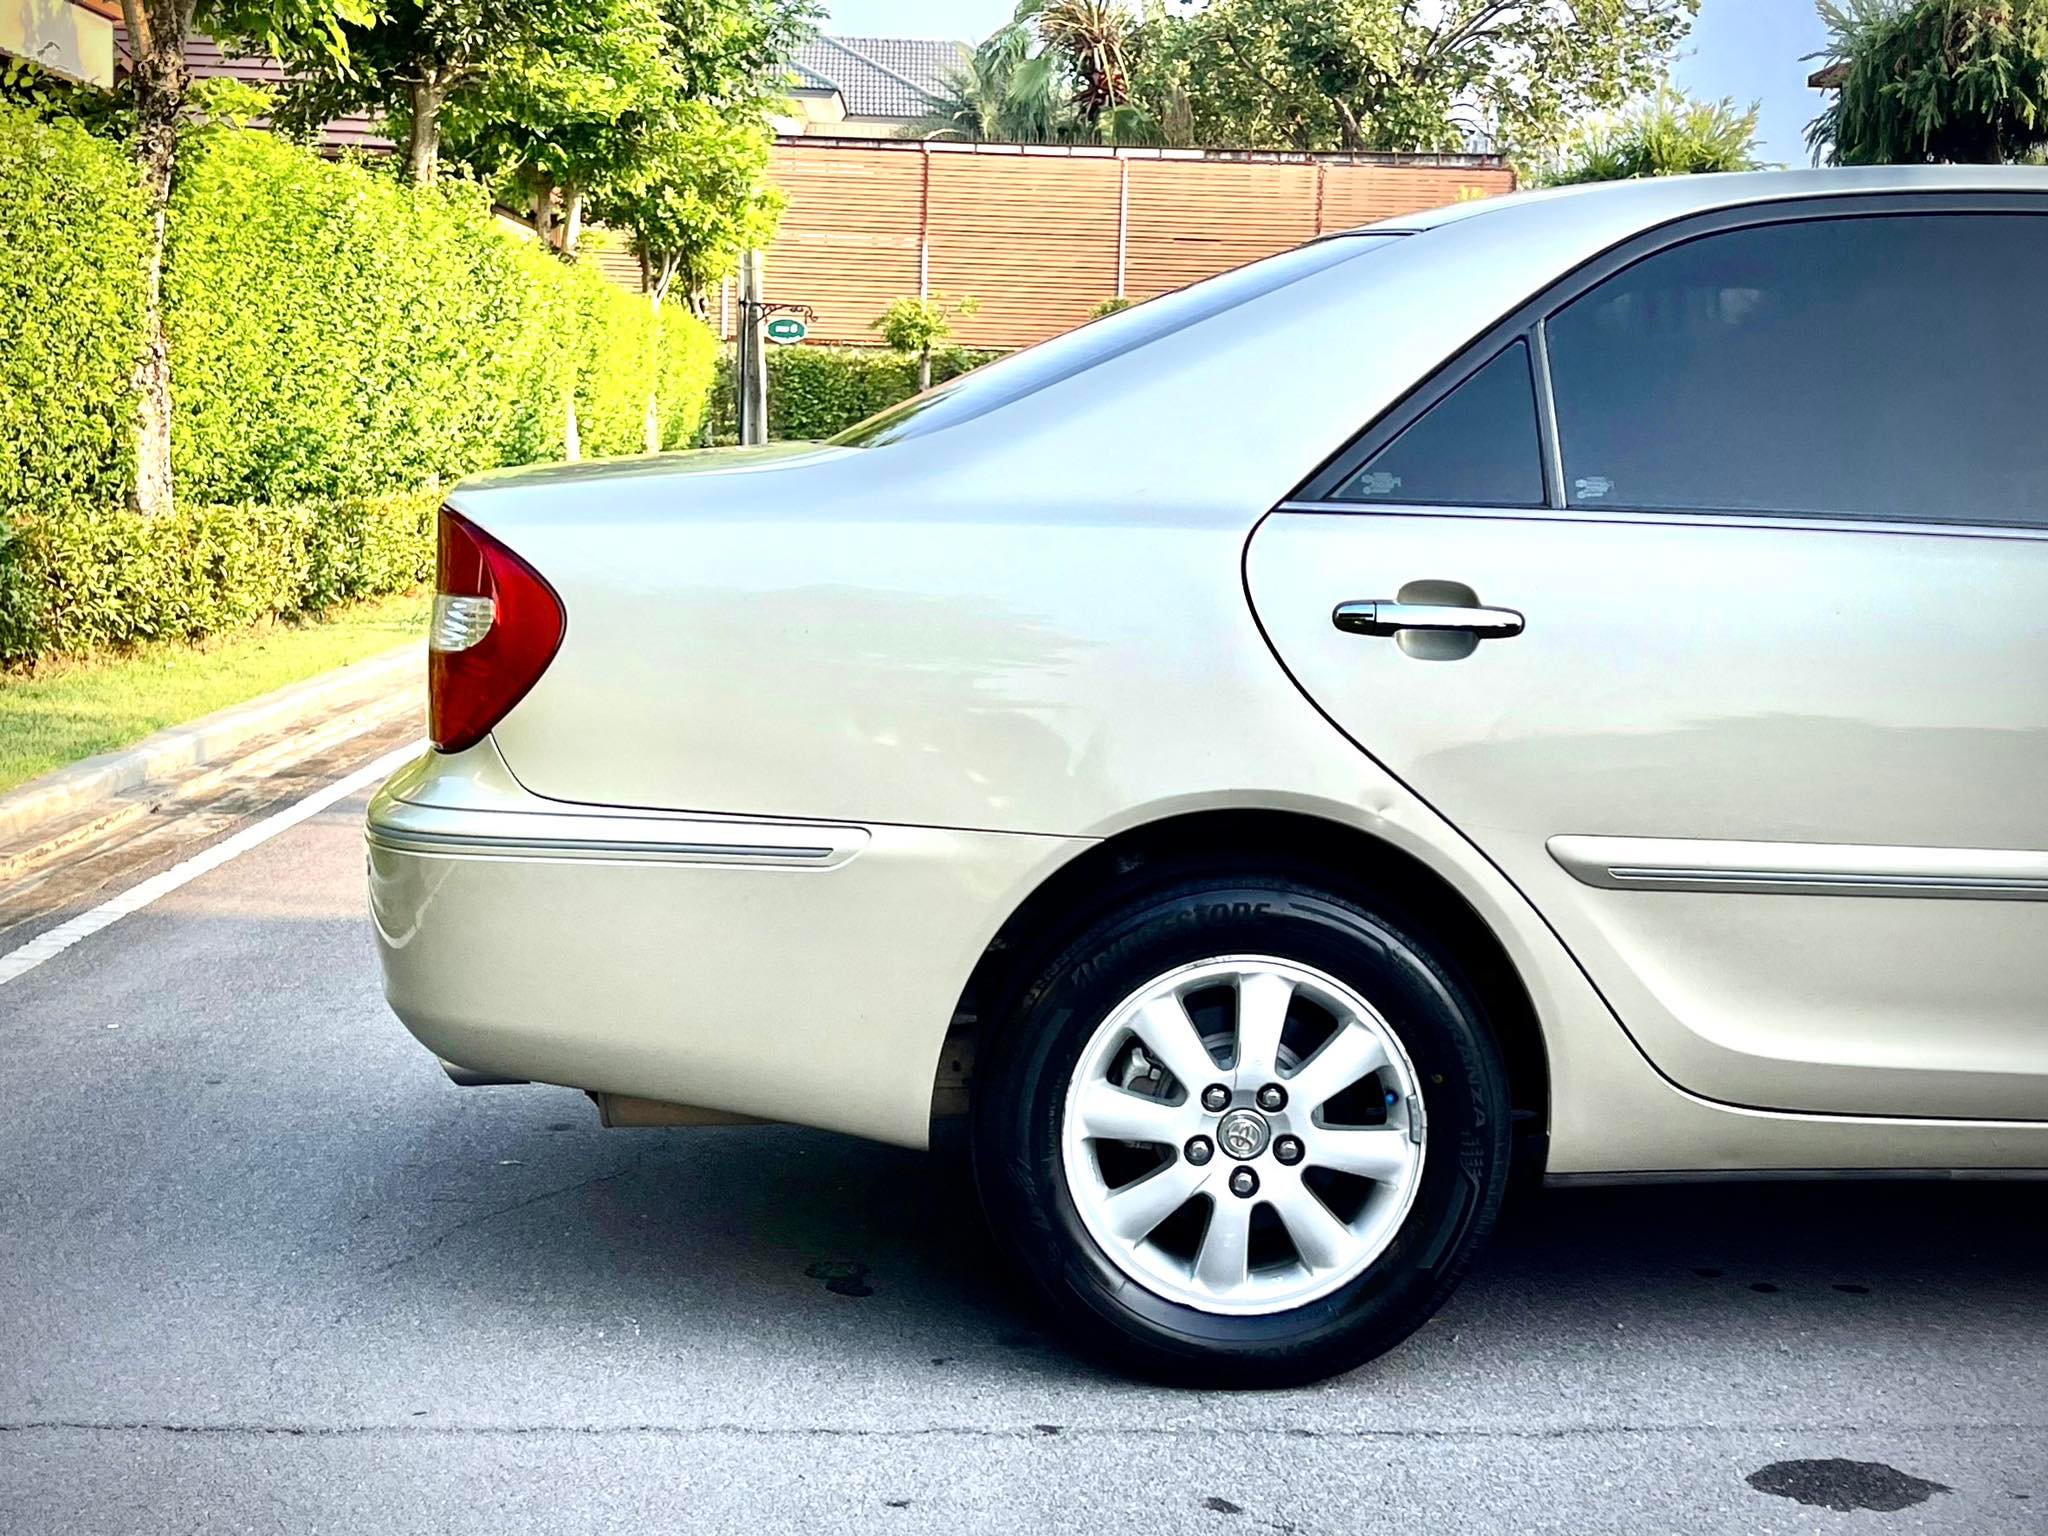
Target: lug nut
[
  {"x": 1288, "y": 1150},
  {"x": 1272, "y": 1096},
  {"x": 1244, "y": 1183},
  {"x": 1216, "y": 1098},
  {"x": 1199, "y": 1150}
]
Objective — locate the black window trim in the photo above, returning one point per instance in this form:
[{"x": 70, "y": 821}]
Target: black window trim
[{"x": 1528, "y": 322}]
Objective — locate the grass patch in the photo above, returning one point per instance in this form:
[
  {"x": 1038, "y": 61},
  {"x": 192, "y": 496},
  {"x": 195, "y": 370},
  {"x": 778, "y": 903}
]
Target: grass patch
[{"x": 68, "y": 710}]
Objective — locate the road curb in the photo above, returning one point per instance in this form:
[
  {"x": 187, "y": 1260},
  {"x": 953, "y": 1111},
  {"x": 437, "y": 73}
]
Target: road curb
[{"x": 215, "y": 738}]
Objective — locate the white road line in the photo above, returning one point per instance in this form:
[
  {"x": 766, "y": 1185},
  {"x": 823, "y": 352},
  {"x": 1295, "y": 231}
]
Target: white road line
[{"x": 19, "y": 962}]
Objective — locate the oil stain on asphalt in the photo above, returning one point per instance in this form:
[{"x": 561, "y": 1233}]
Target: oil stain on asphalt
[
  {"x": 841, "y": 1277},
  {"x": 1844, "y": 1486}
]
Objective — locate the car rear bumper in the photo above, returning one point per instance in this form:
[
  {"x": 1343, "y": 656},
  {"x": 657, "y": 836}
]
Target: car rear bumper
[{"x": 789, "y": 970}]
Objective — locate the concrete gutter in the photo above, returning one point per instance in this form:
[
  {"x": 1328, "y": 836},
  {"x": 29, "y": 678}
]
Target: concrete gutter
[{"x": 365, "y": 690}]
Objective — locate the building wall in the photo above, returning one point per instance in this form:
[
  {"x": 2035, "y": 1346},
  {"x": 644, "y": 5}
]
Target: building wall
[
  {"x": 75, "y": 41},
  {"x": 1043, "y": 235}
]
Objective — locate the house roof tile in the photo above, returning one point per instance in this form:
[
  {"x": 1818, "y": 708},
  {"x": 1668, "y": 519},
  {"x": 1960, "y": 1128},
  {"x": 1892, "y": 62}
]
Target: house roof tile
[{"x": 882, "y": 76}]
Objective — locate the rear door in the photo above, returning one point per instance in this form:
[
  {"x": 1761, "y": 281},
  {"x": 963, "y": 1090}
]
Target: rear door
[{"x": 1709, "y": 598}]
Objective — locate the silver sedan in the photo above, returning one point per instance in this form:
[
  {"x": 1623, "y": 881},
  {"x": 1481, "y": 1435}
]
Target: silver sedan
[{"x": 1554, "y": 688}]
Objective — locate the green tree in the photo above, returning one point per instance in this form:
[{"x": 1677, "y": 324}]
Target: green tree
[
  {"x": 1093, "y": 37},
  {"x": 915, "y": 326},
  {"x": 1004, "y": 92},
  {"x": 1056, "y": 73},
  {"x": 568, "y": 110},
  {"x": 1666, "y": 135},
  {"x": 698, "y": 199},
  {"x": 1948, "y": 81},
  {"x": 410, "y": 59},
  {"x": 735, "y": 53},
  {"x": 1394, "y": 75},
  {"x": 158, "y": 82}
]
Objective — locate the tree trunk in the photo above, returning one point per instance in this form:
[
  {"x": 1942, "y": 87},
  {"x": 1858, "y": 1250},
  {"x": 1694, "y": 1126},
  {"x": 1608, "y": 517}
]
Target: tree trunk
[
  {"x": 544, "y": 211},
  {"x": 423, "y": 148},
  {"x": 572, "y": 437},
  {"x": 572, "y": 219},
  {"x": 1349, "y": 125},
  {"x": 924, "y": 370},
  {"x": 652, "y": 434},
  {"x": 156, "y": 33}
]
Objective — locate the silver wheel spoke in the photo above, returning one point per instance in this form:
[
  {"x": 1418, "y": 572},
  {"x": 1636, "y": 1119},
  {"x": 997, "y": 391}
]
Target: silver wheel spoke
[
  {"x": 1347, "y": 1056},
  {"x": 1320, "y": 1238},
  {"x": 1383, "y": 1154},
  {"x": 1115, "y": 1114},
  {"x": 1179, "y": 1230},
  {"x": 1169, "y": 1036},
  {"x": 1137, "y": 1208},
  {"x": 1262, "y": 1000},
  {"x": 1222, "y": 1262}
]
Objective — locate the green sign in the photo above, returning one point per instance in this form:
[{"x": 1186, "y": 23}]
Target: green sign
[{"x": 787, "y": 328}]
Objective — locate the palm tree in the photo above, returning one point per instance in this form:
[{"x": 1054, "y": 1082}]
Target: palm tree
[
  {"x": 1055, "y": 74},
  {"x": 1092, "y": 35}
]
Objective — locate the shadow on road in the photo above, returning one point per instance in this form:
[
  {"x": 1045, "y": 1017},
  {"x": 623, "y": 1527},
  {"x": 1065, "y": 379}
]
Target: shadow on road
[{"x": 703, "y": 1228}]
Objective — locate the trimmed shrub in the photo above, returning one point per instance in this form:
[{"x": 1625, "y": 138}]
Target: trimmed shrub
[
  {"x": 689, "y": 368},
  {"x": 71, "y": 306},
  {"x": 335, "y": 332},
  {"x": 86, "y": 579},
  {"x": 338, "y": 340},
  {"x": 617, "y": 366},
  {"x": 818, "y": 392}
]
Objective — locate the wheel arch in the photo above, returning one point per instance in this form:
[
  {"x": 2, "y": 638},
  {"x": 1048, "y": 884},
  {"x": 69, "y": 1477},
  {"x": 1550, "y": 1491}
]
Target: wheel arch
[{"x": 1342, "y": 857}]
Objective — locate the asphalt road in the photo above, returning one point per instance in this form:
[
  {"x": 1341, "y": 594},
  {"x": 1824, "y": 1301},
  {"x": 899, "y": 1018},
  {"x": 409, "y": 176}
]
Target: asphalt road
[{"x": 263, "y": 1269}]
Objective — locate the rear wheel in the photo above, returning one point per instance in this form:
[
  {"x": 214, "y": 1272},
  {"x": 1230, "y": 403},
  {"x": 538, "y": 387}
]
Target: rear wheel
[{"x": 1243, "y": 1131}]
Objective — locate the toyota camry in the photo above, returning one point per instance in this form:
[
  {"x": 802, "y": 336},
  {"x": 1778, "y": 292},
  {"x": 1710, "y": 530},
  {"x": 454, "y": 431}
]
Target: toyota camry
[{"x": 1555, "y": 688}]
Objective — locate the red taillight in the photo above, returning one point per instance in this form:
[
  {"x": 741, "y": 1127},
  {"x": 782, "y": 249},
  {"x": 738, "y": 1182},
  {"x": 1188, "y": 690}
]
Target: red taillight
[{"x": 497, "y": 625}]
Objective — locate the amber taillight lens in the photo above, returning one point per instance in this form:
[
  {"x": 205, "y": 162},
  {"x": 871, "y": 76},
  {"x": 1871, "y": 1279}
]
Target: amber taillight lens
[{"x": 497, "y": 625}]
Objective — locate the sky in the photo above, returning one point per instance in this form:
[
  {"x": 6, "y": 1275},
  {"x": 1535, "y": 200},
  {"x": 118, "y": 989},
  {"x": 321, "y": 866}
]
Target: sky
[{"x": 1751, "y": 50}]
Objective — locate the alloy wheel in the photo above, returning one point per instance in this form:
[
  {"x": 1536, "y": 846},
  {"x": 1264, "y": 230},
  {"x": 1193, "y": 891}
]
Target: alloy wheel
[{"x": 1243, "y": 1135}]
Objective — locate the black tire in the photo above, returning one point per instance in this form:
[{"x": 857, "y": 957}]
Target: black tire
[{"x": 1020, "y": 1092}]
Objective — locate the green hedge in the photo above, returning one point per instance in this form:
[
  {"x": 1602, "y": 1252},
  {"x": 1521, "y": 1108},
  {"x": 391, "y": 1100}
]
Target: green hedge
[
  {"x": 687, "y": 357},
  {"x": 338, "y": 339},
  {"x": 818, "y": 392},
  {"x": 71, "y": 308},
  {"x": 335, "y": 332},
  {"x": 82, "y": 580}
]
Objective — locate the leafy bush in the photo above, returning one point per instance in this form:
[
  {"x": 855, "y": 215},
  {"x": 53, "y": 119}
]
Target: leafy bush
[
  {"x": 818, "y": 392},
  {"x": 83, "y": 579},
  {"x": 71, "y": 307},
  {"x": 918, "y": 325},
  {"x": 1666, "y": 135}
]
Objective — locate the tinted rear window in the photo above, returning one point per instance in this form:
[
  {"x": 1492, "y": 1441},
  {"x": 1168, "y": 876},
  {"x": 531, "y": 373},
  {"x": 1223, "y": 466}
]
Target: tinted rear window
[
  {"x": 1880, "y": 366},
  {"x": 1088, "y": 346}
]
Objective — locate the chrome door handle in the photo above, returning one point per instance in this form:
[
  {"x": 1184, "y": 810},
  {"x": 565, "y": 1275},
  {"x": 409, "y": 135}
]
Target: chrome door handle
[{"x": 1383, "y": 616}]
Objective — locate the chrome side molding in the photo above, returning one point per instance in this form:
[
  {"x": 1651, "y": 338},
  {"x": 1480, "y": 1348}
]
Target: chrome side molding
[
  {"x": 445, "y": 832},
  {"x": 1802, "y": 869}
]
